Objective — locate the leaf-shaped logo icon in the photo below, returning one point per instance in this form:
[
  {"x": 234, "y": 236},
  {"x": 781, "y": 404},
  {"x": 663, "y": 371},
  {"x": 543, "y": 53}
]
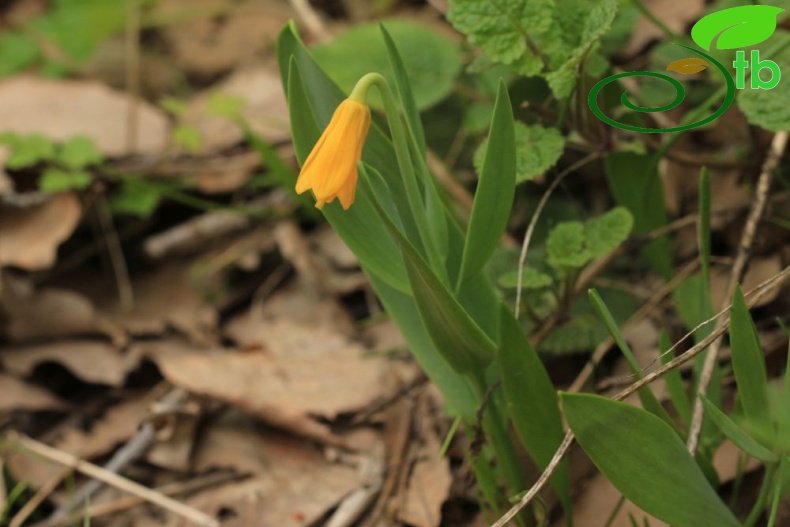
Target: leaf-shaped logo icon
[
  {"x": 688, "y": 66},
  {"x": 737, "y": 27}
]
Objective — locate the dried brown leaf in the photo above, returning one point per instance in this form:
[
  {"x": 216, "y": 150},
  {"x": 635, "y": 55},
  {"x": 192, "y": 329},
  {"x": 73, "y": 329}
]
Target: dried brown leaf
[
  {"x": 62, "y": 109},
  {"x": 29, "y": 237}
]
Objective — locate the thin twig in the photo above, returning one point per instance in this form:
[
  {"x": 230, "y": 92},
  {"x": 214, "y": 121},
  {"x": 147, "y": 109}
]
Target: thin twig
[
  {"x": 43, "y": 493},
  {"x": 744, "y": 251},
  {"x": 132, "y": 75},
  {"x": 752, "y": 298},
  {"x": 119, "y": 482},
  {"x": 127, "y": 502},
  {"x": 307, "y": 15},
  {"x": 115, "y": 251},
  {"x": 522, "y": 259}
]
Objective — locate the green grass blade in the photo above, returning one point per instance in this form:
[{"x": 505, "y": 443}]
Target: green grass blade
[
  {"x": 748, "y": 362},
  {"x": 646, "y": 395}
]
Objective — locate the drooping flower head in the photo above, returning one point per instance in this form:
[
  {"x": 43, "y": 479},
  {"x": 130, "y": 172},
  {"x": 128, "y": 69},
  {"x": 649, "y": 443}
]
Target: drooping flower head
[{"x": 330, "y": 170}]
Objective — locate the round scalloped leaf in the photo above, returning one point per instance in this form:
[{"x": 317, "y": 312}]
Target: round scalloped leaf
[{"x": 737, "y": 27}]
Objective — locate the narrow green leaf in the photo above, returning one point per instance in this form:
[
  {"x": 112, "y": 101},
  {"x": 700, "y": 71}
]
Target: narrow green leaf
[
  {"x": 495, "y": 190},
  {"x": 459, "y": 394},
  {"x": 646, "y": 395},
  {"x": 368, "y": 239},
  {"x": 645, "y": 459},
  {"x": 736, "y": 434},
  {"x": 455, "y": 334},
  {"x": 531, "y": 401},
  {"x": 748, "y": 362},
  {"x": 673, "y": 380},
  {"x": 404, "y": 90}
]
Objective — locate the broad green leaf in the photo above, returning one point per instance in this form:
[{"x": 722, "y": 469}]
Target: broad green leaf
[
  {"x": 27, "y": 150},
  {"x": 537, "y": 150},
  {"x": 368, "y": 239},
  {"x": 646, "y": 395},
  {"x": 455, "y": 334},
  {"x": 673, "y": 380},
  {"x": 737, "y": 27},
  {"x": 606, "y": 232},
  {"x": 79, "y": 152},
  {"x": 563, "y": 79},
  {"x": 748, "y": 362},
  {"x": 404, "y": 312},
  {"x": 634, "y": 182},
  {"x": 531, "y": 400},
  {"x": 646, "y": 461},
  {"x": 736, "y": 434},
  {"x": 499, "y": 28},
  {"x": 54, "y": 180},
  {"x": 431, "y": 59},
  {"x": 566, "y": 248},
  {"x": 531, "y": 278},
  {"x": 495, "y": 190}
]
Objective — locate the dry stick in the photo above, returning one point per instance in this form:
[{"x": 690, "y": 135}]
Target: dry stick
[
  {"x": 522, "y": 259},
  {"x": 109, "y": 478},
  {"x": 308, "y": 16},
  {"x": 32, "y": 504},
  {"x": 132, "y": 75},
  {"x": 117, "y": 259},
  {"x": 752, "y": 298},
  {"x": 127, "y": 502},
  {"x": 744, "y": 249}
]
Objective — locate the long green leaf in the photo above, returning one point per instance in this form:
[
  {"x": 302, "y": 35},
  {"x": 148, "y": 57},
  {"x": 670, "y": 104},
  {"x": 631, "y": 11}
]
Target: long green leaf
[
  {"x": 645, "y": 459},
  {"x": 736, "y": 434},
  {"x": 531, "y": 401},
  {"x": 495, "y": 190},
  {"x": 748, "y": 362},
  {"x": 455, "y": 334}
]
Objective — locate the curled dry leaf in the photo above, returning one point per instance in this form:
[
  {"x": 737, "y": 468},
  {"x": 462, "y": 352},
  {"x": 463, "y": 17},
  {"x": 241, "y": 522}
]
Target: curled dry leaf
[
  {"x": 19, "y": 395},
  {"x": 89, "y": 360},
  {"x": 60, "y": 110},
  {"x": 29, "y": 236},
  {"x": 688, "y": 66},
  {"x": 46, "y": 313}
]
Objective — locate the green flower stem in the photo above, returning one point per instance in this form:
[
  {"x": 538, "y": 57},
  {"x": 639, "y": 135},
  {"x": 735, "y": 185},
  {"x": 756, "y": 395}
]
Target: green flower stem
[
  {"x": 762, "y": 498},
  {"x": 495, "y": 429},
  {"x": 399, "y": 135}
]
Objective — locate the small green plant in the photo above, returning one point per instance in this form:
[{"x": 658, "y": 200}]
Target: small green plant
[{"x": 66, "y": 165}]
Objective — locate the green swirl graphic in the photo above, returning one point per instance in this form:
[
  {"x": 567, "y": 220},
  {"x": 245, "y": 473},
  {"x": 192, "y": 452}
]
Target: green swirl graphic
[{"x": 680, "y": 94}]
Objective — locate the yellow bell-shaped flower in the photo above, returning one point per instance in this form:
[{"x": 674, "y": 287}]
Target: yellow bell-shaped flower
[{"x": 330, "y": 170}]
